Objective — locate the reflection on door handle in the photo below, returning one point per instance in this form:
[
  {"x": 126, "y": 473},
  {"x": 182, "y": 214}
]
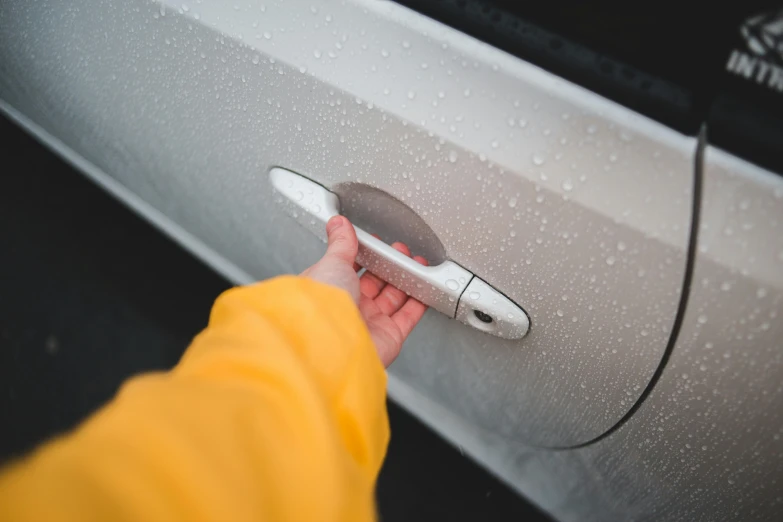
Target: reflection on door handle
[{"x": 442, "y": 287}]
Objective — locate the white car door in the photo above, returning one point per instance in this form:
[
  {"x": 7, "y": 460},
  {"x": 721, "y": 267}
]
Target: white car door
[{"x": 575, "y": 208}]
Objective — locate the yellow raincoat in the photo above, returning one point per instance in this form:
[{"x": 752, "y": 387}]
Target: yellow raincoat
[{"x": 276, "y": 412}]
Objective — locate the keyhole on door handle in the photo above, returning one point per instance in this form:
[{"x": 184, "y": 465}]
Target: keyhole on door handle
[
  {"x": 447, "y": 287},
  {"x": 484, "y": 318}
]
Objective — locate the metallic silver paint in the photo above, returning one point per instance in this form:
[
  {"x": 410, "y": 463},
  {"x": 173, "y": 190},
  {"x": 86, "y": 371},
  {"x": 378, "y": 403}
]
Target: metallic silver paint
[
  {"x": 707, "y": 443},
  {"x": 181, "y": 119},
  {"x": 580, "y": 209}
]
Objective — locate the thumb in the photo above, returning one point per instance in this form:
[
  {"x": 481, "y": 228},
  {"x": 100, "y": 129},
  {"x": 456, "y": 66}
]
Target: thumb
[{"x": 341, "y": 239}]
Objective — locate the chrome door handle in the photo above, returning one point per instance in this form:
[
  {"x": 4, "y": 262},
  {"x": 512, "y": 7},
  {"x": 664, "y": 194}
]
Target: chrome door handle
[{"x": 442, "y": 287}]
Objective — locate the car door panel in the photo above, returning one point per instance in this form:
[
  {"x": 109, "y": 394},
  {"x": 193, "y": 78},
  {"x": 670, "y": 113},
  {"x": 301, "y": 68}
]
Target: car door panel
[{"x": 574, "y": 207}]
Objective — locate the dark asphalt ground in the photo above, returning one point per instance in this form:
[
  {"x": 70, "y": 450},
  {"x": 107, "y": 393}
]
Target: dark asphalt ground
[{"x": 91, "y": 294}]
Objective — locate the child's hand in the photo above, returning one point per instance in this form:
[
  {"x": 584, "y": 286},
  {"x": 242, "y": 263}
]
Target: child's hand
[{"x": 389, "y": 313}]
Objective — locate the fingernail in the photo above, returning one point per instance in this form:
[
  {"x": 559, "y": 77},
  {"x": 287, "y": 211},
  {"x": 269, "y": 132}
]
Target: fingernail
[{"x": 333, "y": 224}]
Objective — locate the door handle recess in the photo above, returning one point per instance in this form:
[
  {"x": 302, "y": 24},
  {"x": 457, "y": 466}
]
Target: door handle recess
[{"x": 447, "y": 287}]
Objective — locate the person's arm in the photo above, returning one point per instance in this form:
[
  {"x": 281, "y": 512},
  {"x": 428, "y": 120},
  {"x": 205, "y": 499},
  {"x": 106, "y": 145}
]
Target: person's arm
[{"x": 275, "y": 412}]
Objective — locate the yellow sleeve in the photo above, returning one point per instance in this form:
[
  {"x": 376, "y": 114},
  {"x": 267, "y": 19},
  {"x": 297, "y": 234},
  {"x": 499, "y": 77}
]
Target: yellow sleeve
[{"x": 276, "y": 412}]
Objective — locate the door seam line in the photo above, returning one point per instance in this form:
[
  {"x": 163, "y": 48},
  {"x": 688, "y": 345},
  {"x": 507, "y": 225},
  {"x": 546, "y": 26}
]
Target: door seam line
[{"x": 690, "y": 262}]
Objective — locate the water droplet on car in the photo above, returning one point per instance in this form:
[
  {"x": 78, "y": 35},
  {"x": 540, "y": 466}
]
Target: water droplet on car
[
  {"x": 474, "y": 295},
  {"x": 451, "y": 284}
]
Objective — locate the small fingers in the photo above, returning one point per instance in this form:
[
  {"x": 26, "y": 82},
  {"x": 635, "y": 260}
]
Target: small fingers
[
  {"x": 407, "y": 317},
  {"x": 370, "y": 285},
  {"x": 421, "y": 260},
  {"x": 402, "y": 248}
]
